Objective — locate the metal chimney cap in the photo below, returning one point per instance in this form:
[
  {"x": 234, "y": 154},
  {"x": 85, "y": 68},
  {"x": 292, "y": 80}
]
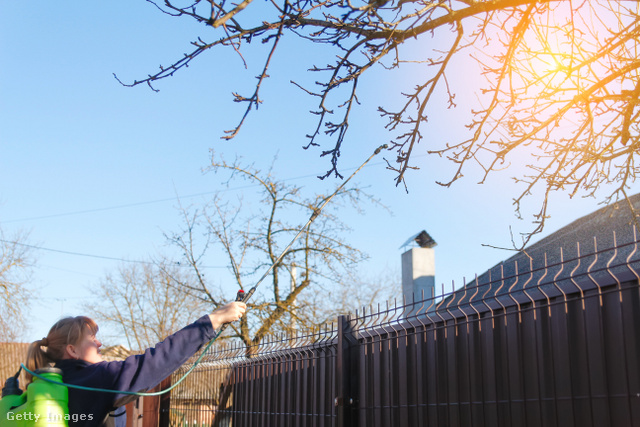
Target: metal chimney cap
[{"x": 422, "y": 239}]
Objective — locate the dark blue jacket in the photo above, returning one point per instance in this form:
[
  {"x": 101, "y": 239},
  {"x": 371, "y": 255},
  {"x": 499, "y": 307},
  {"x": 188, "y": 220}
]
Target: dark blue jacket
[{"x": 135, "y": 373}]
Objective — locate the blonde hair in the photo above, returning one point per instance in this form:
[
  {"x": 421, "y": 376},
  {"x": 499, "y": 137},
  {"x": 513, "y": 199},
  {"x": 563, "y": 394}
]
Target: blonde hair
[{"x": 51, "y": 349}]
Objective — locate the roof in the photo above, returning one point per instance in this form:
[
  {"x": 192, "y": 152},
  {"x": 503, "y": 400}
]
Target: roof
[
  {"x": 115, "y": 352},
  {"x": 594, "y": 251}
]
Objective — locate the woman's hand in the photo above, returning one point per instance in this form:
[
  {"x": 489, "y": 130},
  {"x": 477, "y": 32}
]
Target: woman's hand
[{"x": 228, "y": 313}]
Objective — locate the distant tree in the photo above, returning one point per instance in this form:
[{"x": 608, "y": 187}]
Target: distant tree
[
  {"x": 360, "y": 293},
  {"x": 561, "y": 80},
  {"x": 144, "y": 303},
  {"x": 16, "y": 265},
  {"x": 249, "y": 235}
]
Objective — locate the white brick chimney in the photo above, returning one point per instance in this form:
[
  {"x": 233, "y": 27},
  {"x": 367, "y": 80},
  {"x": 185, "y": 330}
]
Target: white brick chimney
[{"x": 419, "y": 270}]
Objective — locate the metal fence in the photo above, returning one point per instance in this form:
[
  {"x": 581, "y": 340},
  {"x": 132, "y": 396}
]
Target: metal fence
[{"x": 546, "y": 345}]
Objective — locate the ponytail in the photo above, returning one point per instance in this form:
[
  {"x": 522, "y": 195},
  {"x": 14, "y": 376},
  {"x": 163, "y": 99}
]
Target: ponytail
[
  {"x": 37, "y": 357},
  {"x": 49, "y": 350}
]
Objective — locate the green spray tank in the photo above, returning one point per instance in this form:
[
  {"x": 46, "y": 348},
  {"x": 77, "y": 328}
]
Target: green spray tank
[{"x": 44, "y": 403}]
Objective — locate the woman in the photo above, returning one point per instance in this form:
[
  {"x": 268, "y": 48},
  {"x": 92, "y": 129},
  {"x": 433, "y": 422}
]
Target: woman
[{"x": 73, "y": 347}]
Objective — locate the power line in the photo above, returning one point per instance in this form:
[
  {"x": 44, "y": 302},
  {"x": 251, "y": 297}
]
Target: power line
[
  {"x": 92, "y": 255},
  {"x": 133, "y": 205},
  {"x": 168, "y": 199},
  {"x": 149, "y": 202},
  {"x": 108, "y": 208}
]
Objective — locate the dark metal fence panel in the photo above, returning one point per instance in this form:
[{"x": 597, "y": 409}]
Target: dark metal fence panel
[
  {"x": 290, "y": 385},
  {"x": 553, "y": 346},
  {"x": 558, "y": 363},
  {"x": 285, "y": 382}
]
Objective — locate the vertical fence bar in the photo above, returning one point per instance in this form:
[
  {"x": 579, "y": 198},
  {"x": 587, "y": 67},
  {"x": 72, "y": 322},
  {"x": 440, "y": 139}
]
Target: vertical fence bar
[
  {"x": 632, "y": 334},
  {"x": 346, "y": 374},
  {"x": 165, "y": 404},
  {"x": 323, "y": 390}
]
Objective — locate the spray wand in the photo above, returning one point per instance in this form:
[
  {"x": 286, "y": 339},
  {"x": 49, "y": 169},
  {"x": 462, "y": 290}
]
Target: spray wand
[{"x": 241, "y": 296}]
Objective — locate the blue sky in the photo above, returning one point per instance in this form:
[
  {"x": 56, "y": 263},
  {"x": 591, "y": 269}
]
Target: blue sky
[{"x": 90, "y": 167}]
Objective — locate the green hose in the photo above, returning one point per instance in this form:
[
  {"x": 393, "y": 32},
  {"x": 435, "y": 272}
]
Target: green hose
[{"x": 130, "y": 393}]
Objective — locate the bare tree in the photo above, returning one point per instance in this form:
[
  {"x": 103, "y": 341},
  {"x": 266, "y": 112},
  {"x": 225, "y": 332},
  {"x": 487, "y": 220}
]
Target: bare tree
[
  {"x": 144, "y": 303},
  {"x": 16, "y": 265},
  {"x": 358, "y": 294},
  {"x": 250, "y": 235},
  {"x": 561, "y": 81}
]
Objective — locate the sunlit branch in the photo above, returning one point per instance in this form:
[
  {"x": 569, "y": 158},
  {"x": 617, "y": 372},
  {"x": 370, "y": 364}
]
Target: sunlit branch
[
  {"x": 255, "y": 99},
  {"x": 561, "y": 82}
]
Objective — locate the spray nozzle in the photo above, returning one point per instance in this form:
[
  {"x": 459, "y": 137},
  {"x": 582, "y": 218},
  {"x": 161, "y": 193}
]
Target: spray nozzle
[
  {"x": 240, "y": 295},
  {"x": 12, "y": 385},
  {"x": 382, "y": 147}
]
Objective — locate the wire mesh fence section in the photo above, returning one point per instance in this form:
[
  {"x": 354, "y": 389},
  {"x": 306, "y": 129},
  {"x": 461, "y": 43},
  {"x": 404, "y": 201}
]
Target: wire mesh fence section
[
  {"x": 573, "y": 362},
  {"x": 552, "y": 341},
  {"x": 285, "y": 381}
]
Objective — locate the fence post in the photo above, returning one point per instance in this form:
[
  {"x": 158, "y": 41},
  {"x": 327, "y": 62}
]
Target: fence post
[
  {"x": 164, "y": 407},
  {"x": 153, "y": 406},
  {"x": 346, "y": 401}
]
